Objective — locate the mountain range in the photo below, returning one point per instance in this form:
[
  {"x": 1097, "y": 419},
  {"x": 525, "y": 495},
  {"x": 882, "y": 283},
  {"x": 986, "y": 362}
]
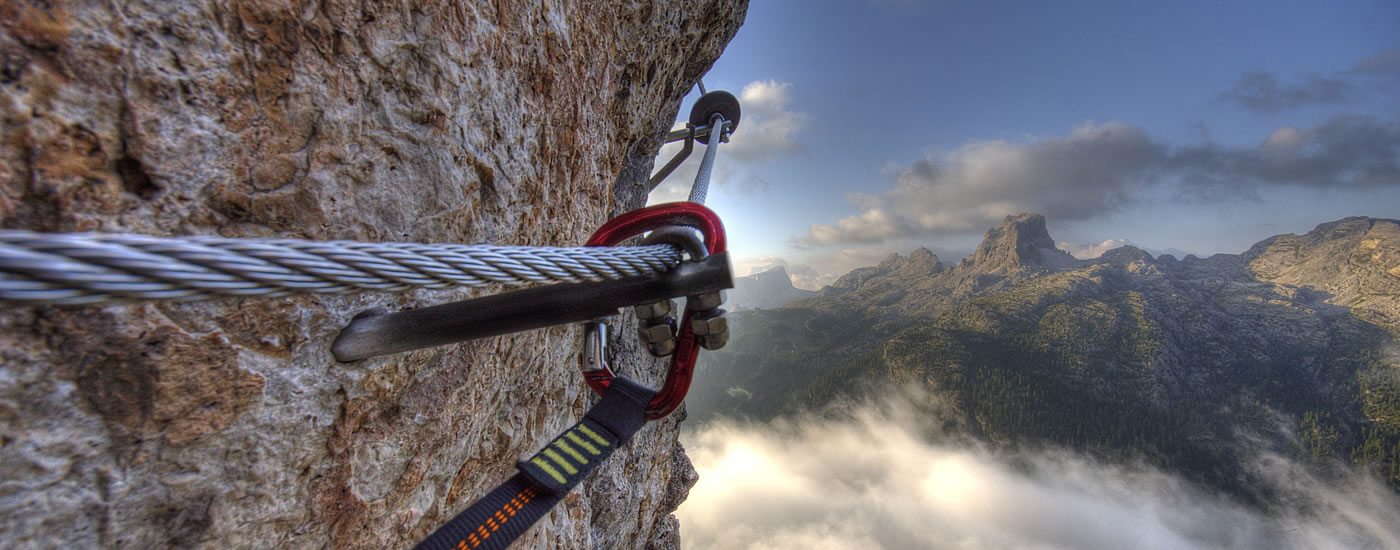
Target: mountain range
[
  {"x": 1192, "y": 365},
  {"x": 764, "y": 290}
]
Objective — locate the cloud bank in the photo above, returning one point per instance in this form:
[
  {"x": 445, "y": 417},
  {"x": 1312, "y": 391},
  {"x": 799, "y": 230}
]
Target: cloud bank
[
  {"x": 1091, "y": 251},
  {"x": 768, "y": 130},
  {"x": 812, "y": 272},
  {"x": 869, "y": 480},
  {"x": 1097, "y": 169}
]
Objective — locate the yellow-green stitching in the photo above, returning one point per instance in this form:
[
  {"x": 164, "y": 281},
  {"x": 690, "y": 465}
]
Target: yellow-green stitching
[
  {"x": 549, "y": 470},
  {"x": 580, "y": 442},
  {"x": 570, "y": 451},
  {"x": 593, "y": 435},
  {"x": 559, "y": 459}
]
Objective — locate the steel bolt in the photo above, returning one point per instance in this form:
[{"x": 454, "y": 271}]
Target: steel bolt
[{"x": 595, "y": 343}]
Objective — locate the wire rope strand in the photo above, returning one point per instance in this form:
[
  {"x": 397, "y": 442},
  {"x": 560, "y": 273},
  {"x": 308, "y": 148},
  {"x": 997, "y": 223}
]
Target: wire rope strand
[{"x": 87, "y": 268}]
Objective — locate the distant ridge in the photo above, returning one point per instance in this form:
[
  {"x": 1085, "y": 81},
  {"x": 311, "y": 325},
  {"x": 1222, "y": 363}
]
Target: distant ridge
[
  {"x": 1193, "y": 363},
  {"x": 768, "y": 289}
]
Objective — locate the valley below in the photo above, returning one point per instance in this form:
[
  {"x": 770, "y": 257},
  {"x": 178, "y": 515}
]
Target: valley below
[{"x": 1250, "y": 382}]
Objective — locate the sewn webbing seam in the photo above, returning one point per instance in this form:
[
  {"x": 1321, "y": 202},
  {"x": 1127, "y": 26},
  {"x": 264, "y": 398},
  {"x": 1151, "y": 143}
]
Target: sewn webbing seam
[
  {"x": 510, "y": 508},
  {"x": 505, "y": 513}
]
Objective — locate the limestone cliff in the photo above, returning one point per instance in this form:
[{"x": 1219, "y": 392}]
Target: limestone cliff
[
  {"x": 227, "y": 423},
  {"x": 1017, "y": 243}
]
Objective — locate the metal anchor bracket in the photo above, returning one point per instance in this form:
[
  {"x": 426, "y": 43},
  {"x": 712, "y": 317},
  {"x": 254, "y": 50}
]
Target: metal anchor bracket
[
  {"x": 521, "y": 310},
  {"x": 715, "y": 113}
]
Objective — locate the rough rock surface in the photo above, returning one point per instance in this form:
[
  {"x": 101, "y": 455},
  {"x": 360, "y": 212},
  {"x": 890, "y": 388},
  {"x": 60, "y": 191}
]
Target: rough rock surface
[
  {"x": 227, "y": 423},
  {"x": 1017, "y": 243},
  {"x": 1016, "y": 249},
  {"x": 1354, "y": 262}
]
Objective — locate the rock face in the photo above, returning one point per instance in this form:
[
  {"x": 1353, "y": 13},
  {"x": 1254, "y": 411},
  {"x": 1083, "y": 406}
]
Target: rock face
[
  {"x": 918, "y": 265},
  {"x": 227, "y": 423},
  {"x": 1354, "y": 261},
  {"x": 1018, "y": 242}
]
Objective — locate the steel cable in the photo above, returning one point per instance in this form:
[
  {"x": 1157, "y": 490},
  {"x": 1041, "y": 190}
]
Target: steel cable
[{"x": 86, "y": 268}]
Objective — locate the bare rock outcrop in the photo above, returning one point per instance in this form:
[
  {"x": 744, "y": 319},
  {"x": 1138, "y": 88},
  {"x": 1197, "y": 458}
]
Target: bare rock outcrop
[
  {"x": 227, "y": 423},
  {"x": 1354, "y": 262},
  {"x": 1017, "y": 243}
]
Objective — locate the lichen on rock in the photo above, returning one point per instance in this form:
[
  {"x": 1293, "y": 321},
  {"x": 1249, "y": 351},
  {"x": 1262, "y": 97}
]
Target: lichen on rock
[{"x": 227, "y": 422}]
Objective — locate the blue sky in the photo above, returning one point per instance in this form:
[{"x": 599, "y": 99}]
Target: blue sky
[{"x": 873, "y": 127}]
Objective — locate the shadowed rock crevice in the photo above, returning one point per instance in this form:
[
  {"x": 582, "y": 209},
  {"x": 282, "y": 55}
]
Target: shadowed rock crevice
[{"x": 135, "y": 178}]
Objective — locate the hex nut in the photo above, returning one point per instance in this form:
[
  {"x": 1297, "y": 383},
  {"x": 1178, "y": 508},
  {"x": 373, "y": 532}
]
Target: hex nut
[
  {"x": 710, "y": 322},
  {"x": 706, "y": 301},
  {"x": 654, "y": 310},
  {"x": 656, "y": 333},
  {"x": 714, "y": 341},
  {"x": 662, "y": 348}
]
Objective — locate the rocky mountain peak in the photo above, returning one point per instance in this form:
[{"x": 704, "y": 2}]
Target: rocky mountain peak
[
  {"x": 1354, "y": 261},
  {"x": 1018, "y": 242},
  {"x": 774, "y": 273},
  {"x": 920, "y": 263},
  {"x": 923, "y": 255},
  {"x": 1126, "y": 254},
  {"x": 766, "y": 289}
]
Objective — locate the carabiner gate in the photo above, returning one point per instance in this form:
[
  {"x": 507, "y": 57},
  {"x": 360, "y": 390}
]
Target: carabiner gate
[{"x": 621, "y": 228}]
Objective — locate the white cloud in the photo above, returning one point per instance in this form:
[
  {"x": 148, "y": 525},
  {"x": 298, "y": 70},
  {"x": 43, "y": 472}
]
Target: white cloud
[
  {"x": 870, "y": 480},
  {"x": 1286, "y": 138},
  {"x": 1091, "y": 251},
  {"x": 818, "y": 270},
  {"x": 768, "y": 129},
  {"x": 1097, "y": 169},
  {"x": 749, "y": 266},
  {"x": 969, "y": 188},
  {"x": 872, "y": 226}
]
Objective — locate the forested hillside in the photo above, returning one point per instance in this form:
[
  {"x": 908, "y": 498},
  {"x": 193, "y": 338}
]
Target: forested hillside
[{"x": 1192, "y": 365}]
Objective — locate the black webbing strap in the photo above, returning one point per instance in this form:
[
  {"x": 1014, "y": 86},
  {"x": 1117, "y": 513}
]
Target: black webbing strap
[{"x": 504, "y": 514}]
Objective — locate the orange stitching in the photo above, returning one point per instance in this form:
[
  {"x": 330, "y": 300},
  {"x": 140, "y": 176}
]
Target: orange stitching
[{"x": 510, "y": 508}]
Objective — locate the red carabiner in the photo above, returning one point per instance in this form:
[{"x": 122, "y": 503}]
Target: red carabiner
[{"x": 635, "y": 223}]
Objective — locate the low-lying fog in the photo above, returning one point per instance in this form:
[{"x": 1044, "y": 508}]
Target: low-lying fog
[{"x": 871, "y": 477}]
